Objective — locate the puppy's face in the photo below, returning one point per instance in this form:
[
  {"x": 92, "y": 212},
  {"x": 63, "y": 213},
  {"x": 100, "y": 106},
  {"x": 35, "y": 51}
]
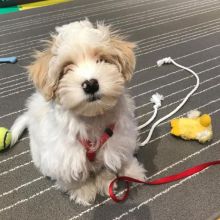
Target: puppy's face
[{"x": 84, "y": 68}]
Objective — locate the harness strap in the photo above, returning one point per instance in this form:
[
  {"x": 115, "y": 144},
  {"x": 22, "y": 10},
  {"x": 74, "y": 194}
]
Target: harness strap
[{"x": 88, "y": 145}]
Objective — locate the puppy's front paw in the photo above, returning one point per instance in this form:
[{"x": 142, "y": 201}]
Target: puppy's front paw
[
  {"x": 79, "y": 170},
  {"x": 79, "y": 199},
  {"x": 85, "y": 195},
  {"x": 134, "y": 169},
  {"x": 113, "y": 161},
  {"x": 103, "y": 180},
  {"x": 79, "y": 174}
]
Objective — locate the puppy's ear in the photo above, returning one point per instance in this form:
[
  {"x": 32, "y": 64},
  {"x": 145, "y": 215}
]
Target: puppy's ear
[
  {"x": 125, "y": 56},
  {"x": 42, "y": 75}
]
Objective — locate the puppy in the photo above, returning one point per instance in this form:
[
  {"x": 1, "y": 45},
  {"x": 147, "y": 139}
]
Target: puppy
[{"x": 81, "y": 119}]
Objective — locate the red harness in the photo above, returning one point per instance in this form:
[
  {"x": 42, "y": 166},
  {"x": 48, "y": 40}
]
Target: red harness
[{"x": 89, "y": 145}]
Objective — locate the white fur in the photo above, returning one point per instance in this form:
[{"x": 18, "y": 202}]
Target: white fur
[
  {"x": 204, "y": 136},
  {"x": 54, "y": 125},
  {"x": 193, "y": 114}
]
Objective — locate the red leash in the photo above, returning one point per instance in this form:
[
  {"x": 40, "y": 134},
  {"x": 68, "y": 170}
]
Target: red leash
[{"x": 167, "y": 179}]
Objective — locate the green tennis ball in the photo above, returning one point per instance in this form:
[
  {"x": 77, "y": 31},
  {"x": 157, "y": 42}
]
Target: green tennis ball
[{"x": 5, "y": 138}]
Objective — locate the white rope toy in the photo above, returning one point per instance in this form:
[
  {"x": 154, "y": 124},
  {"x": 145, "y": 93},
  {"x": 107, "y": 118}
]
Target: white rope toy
[{"x": 157, "y": 98}]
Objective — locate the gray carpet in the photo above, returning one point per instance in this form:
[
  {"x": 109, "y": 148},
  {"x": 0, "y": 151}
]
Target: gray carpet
[{"x": 189, "y": 31}]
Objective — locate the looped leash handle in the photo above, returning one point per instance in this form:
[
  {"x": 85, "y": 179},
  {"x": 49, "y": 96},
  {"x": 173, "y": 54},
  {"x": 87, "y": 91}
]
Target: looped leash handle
[{"x": 168, "y": 179}]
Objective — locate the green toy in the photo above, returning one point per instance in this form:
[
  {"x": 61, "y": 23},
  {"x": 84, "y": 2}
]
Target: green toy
[{"x": 5, "y": 138}]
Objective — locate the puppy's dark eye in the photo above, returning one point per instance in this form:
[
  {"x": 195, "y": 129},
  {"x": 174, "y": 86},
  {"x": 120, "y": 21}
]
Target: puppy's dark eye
[{"x": 100, "y": 60}]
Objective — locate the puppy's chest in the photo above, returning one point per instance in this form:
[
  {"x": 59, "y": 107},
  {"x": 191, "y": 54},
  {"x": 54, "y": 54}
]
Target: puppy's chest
[{"x": 95, "y": 143}]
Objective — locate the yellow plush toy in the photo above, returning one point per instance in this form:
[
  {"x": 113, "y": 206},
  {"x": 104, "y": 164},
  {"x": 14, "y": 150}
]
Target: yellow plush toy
[{"x": 194, "y": 127}]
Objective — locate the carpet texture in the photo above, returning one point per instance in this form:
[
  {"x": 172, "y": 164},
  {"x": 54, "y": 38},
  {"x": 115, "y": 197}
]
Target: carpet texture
[{"x": 187, "y": 30}]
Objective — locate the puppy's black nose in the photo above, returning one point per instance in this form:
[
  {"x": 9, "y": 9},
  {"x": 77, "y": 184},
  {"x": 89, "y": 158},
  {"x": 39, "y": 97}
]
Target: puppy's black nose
[{"x": 90, "y": 86}]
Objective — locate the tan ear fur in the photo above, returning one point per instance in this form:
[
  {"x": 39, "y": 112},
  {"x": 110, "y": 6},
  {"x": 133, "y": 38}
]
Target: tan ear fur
[
  {"x": 38, "y": 71},
  {"x": 125, "y": 56}
]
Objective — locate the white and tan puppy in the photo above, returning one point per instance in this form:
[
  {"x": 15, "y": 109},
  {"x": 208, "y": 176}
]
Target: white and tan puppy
[{"x": 80, "y": 81}]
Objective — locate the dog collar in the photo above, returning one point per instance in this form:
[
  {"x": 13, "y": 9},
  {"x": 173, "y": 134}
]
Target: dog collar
[{"x": 89, "y": 145}]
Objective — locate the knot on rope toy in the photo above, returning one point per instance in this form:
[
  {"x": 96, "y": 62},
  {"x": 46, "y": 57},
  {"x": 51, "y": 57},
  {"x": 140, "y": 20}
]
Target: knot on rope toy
[
  {"x": 156, "y": 99},
  {"x": 166, "y": 60}
]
